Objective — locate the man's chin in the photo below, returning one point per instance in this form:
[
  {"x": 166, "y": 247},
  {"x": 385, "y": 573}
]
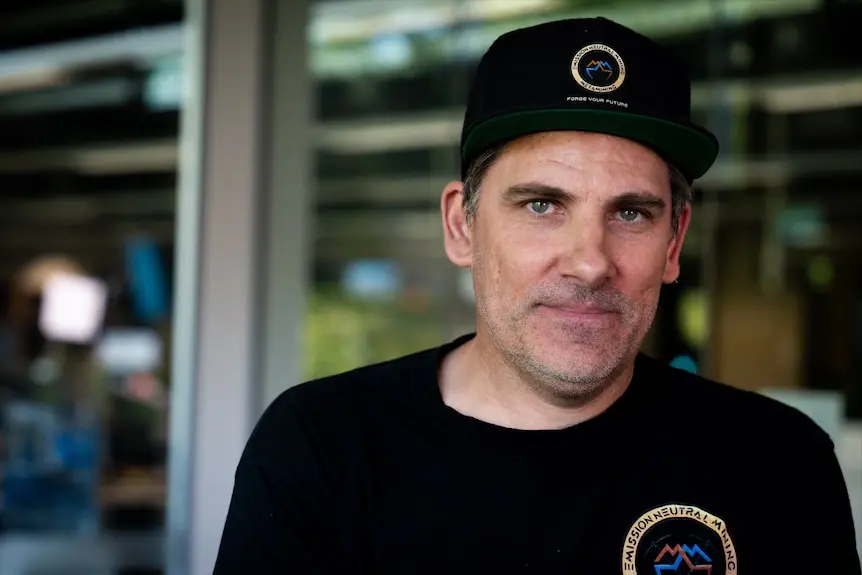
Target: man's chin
[
  {"x": 581, "y": 375},
  {"x": 576, "y": 363},
  {"x": 585, "y": 346},
  {"x": 571, "y": 383}
]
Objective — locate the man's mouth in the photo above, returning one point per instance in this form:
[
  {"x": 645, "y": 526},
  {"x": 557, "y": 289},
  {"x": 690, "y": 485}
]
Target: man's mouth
[{"x": 582, "y": 312}]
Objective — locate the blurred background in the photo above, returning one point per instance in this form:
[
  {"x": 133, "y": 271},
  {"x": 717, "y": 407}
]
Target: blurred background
[{"x": 96, "y": 98}]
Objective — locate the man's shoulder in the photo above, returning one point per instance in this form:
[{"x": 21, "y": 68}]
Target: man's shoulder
[
  {"x": 748, "y": 415},
  {"x": 370, "y": 380},
  {"x": 338, "y": 403}
]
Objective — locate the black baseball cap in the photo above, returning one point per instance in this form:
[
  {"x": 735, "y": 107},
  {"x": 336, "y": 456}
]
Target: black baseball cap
[{"x": 588, "y": 74}]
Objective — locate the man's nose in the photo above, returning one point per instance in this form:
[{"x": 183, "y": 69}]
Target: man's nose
[{"x": 586, "y": 257}]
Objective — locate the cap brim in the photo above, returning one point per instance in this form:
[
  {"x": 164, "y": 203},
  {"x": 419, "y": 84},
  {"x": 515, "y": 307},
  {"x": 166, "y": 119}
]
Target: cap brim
[{"x": 690, "y": 149}]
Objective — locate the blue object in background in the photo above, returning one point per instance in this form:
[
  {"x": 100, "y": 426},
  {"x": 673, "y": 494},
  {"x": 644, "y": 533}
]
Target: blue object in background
[
  {"x": 371, "y": 279},
  {"x": 51, "y": 467},
  {"x": 685, "y": 363},
  {"x": 146, "y": 276}
]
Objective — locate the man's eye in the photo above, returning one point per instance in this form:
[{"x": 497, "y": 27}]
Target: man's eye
[
  {"x": 539, "y": 206},
  {"x": 630, "y": 215}
]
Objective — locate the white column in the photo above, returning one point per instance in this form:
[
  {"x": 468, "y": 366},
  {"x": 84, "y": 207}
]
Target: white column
[
  {"x": 288, "y": 251},
  {"x": 241, "y": 252}
]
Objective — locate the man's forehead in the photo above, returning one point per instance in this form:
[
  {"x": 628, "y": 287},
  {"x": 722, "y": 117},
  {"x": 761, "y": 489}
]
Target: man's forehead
[
  {"x": 578, "y": 147},
  {"x": 579, "y": 160}
]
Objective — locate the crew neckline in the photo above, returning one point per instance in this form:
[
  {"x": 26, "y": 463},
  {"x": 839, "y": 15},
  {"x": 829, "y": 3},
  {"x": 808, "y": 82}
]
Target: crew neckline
[{"x": 468, "y": 427}]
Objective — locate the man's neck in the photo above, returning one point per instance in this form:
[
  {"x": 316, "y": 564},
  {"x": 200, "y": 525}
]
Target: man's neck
[{"x": 476, "y": 381}]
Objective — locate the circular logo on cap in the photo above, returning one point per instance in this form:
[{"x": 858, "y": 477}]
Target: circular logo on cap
[
  {"x": 678, "y": 539},
  {"x": 598, "y": 68}
]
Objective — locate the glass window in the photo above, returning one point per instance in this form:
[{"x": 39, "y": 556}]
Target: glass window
[{"x": 88, "y": 129}]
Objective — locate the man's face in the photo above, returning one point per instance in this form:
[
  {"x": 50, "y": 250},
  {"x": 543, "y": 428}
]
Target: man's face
[{"x": 569, "y": 247}]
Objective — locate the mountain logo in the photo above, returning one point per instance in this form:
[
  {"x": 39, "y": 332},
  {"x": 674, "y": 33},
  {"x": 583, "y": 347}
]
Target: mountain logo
[
  {"x": 598, "y": 68},
  {"x": 671, "y": 559},
  {"x": 680, "y": 540}
]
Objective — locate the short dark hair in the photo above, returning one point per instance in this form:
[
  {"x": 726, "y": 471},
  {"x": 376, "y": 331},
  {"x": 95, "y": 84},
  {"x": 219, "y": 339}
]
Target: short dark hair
[{"x": 681, "y": 191}]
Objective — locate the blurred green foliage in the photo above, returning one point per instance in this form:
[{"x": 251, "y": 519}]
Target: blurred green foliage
[{"x": 343, "y": 333}]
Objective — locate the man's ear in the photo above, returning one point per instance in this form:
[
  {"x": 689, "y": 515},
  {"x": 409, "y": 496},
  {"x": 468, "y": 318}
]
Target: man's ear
[
  {"x": 457, "y": 233},
  {"x": 674, "y": 249}
]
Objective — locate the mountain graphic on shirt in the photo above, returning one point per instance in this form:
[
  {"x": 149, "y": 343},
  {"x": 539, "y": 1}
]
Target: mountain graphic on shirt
[{"x": 695, "y": 560}]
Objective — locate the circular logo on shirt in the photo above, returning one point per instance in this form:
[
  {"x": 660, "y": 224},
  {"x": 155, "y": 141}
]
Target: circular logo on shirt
[
  {"x": 678, "y": 539},
  {"x": 598, "y": 68}
]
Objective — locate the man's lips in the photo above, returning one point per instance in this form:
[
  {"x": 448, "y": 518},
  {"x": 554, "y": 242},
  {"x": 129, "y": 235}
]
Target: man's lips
[{"x": 579, "y": 312}]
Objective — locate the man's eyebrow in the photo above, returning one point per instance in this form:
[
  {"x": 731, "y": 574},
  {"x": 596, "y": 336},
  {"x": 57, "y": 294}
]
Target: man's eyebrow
[
  {"x": 521, "y": 192},
  {"x": 641, "y": 199},
  {"x": 634, "y": 199}
]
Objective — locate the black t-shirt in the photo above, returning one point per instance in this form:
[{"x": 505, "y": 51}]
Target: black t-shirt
[{"x": 370, "y": 472}]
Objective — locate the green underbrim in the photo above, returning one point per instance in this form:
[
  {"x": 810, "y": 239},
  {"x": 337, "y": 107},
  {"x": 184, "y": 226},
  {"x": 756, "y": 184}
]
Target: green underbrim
[{"x": 689, "y": 149}]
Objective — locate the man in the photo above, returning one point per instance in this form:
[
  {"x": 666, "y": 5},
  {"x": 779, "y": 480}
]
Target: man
[{"x": 546, "y": 443}]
